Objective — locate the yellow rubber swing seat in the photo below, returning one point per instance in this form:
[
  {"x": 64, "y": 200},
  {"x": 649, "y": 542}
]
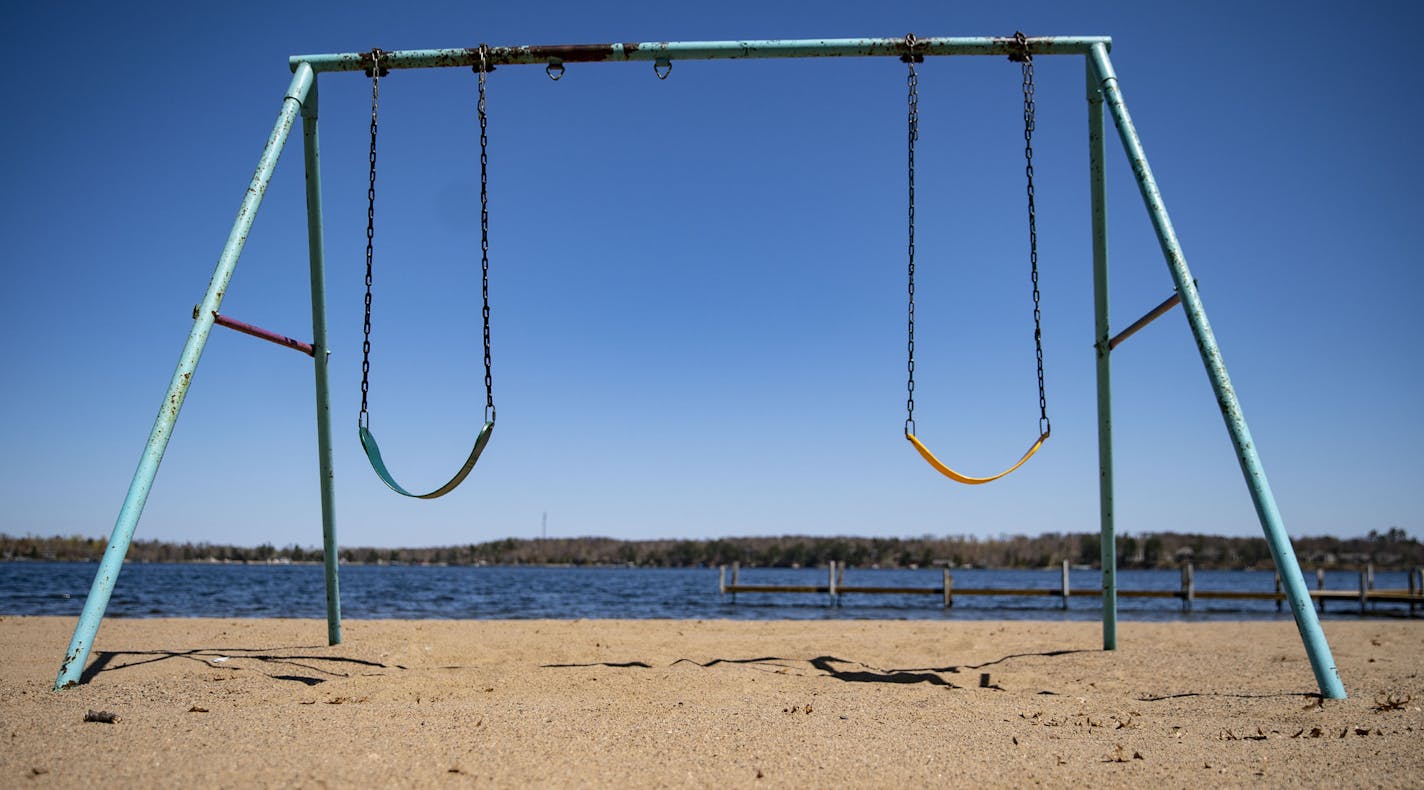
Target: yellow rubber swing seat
[{"x": 965, "y": 479}]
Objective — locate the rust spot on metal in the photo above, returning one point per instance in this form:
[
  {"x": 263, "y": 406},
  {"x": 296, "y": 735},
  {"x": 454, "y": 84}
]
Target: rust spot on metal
[
  {"x": 629, "y": 47},
  {"x": 368, "y": 61},
  {"x": 469, "y": 55},
  {"x": 570, "y": 53}
]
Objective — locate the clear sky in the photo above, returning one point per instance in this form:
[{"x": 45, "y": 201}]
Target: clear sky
[{"x": 698, "y": 283}]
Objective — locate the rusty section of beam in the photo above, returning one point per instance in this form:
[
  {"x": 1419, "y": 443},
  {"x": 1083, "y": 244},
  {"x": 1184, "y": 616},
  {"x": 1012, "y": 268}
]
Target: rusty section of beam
[{"x": 667, "y": 51}]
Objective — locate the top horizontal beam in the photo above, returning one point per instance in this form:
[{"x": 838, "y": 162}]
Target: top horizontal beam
[{"x": 699, "y": 50}]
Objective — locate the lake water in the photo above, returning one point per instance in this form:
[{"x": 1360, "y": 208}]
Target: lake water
[{"x": 371, "y": 592}]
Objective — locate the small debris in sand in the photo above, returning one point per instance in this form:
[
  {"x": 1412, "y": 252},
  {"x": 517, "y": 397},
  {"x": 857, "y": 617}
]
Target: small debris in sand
[
  {"x": 101, "y": 716},
  {"x": 1119, "y": 755},
  {"x": 1388, "y": 702},
  {"x": 196, "y": 709},
  {"x": 344, "y": 700}
]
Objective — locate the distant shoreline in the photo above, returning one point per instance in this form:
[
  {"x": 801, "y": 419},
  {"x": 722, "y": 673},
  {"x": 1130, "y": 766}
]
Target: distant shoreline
[
  {"x": 1392, "y": 549},
  {"x": 597, "y": 566}
]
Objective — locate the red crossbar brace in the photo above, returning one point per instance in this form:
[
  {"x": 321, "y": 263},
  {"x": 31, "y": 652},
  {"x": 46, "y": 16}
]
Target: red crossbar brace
[{"x": 259, "y": 332}]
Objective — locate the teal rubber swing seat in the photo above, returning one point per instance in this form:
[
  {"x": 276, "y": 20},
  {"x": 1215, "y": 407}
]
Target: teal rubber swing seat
[{"x": 373, "y": 454}]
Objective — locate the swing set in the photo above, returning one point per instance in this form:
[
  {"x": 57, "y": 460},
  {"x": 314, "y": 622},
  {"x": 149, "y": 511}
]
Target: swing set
[{"x": 1104, "y": 96}]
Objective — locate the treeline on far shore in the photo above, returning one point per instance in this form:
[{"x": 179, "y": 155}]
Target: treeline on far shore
[{"x": 1392, "y": 549}]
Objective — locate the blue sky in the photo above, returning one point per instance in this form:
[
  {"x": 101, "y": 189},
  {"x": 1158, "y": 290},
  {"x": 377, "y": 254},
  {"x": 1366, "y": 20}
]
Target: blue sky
[{"x": 698, "y": 283}]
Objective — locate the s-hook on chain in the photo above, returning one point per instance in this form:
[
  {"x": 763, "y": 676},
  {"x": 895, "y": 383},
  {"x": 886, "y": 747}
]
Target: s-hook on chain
[
  {"x": 912, "y": 80},
  {"x": 1025, "y": 57}
]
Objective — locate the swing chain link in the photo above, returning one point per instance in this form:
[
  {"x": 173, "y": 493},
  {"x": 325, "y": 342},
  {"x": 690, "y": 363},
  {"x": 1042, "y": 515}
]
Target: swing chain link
[
  {"x": 1025, "y": 58},
  {"x": 484, "y": 68},
  {"x": 364, "y": 419},
  {"x": 912, "y": 82}
]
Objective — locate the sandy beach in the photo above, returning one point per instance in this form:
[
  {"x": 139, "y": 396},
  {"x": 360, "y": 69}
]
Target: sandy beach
[{"x": 221, "y": 703}]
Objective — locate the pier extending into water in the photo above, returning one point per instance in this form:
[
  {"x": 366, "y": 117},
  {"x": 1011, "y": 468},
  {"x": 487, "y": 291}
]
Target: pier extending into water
[{"x": 835, "y": 588}]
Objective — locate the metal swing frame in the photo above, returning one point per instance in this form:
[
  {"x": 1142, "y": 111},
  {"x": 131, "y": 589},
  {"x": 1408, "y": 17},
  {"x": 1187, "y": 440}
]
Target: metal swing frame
[{"x": 1104, "y": 97}]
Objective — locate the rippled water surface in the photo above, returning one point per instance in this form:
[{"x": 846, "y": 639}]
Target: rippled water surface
[{"x": 155, "y": 590}]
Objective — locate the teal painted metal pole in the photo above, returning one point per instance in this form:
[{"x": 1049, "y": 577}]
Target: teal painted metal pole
[
  {"x": 666, "y": 51},
  {"x": 71, "y": 668},
  {"x": 1327, "y": 676},
  {"x": 1107, "y": 531},
  {"x": 322, "y": 357}
]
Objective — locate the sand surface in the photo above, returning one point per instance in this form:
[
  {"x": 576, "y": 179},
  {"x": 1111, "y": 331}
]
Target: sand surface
[{"x": 222, "y": 703}]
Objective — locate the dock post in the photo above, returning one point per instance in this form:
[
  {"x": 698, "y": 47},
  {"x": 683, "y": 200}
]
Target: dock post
[
  {"x": 722, "y": 580},
  {"x": 736, "y": 574},
  {"x": 948, "y": 589},
  {"x": 1320, "y": 585},
  {"x": 832, "y": 573},
  {"x": 1278, "y": 592},
  {"x": 1065, "y": 584},
  {"x": 1413, "y": 589},
  {"x": 1370, "y": 575},
  {"x": 1364, "y": 589},
  {"x": 1189, "y": 586}
]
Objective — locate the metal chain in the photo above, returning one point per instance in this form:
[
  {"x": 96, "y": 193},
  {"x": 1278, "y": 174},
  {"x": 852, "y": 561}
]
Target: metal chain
[
  {"x": 484, "y": 68},
  {"x": 375, "y": 73},
  {"x": 1025, "y": 58},
  {"x": 364, "y": 419},
  {"x": 913, "y": 125}
]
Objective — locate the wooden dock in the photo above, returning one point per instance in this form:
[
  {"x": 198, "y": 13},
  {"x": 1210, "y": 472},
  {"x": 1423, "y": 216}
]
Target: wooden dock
[{"x": 835, "y": 587}]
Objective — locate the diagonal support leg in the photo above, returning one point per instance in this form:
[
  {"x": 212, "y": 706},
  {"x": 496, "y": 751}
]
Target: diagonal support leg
[
  {"x": 71, "y": 668},
  {"x": 1321, "y": 661}
]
